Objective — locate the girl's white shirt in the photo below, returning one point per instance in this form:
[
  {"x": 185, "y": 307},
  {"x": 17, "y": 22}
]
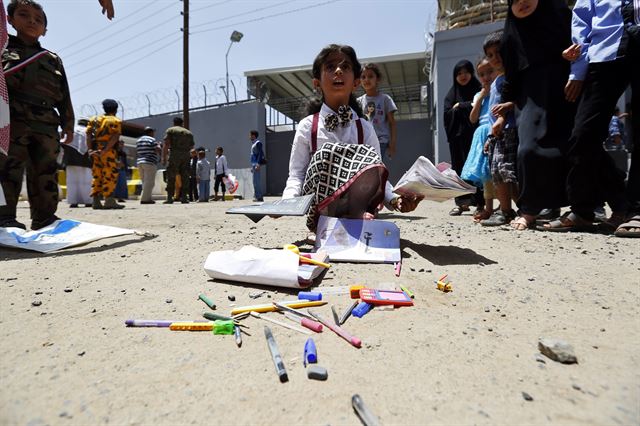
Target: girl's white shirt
[{"x": 301, "y": 150}]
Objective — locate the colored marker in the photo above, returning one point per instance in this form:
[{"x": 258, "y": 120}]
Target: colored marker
[
  {"x": 309, "y": 295},
  {"x": 310, "y": 354},
  {"x": 338, "y": 330},
  {"x": 398, "y": 268},
  {"x": 238, "y": 335},
  {"x": 269, "y": 307},
  {"x": 275, "y": 355},
  {"x": 280, "y": 323},
  {"x": 305, "y": 322},
  {"x": 407, "y": 291},
  {"x": 366, "y": 416},
  {"x": 207, "y": 301},
  {"x": 212, "y": 316},
  {"x": 151, "y": 323}
]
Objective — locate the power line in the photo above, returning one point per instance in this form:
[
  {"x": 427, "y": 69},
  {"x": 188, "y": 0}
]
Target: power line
[
  {"x": 243, "y": 13},
  {"x": 211, "y": 5},
  {"x": 266, "y": 17},
  {"x": 130, "y": 63},
  {"x": 83, "y": 40}
]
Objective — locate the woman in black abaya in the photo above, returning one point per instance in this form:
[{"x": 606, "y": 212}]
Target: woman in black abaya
[
  {"x": 535, "y": 35},
  {"x": 457, "y": 107}
]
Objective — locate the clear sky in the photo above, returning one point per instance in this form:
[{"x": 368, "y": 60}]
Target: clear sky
[{"x": 139, "y": 53}]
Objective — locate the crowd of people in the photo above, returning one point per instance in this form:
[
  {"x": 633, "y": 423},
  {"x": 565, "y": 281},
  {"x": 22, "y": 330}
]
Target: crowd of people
[
  {"x": 534, "y": 130},
  {"x": 530, "y": 132}
]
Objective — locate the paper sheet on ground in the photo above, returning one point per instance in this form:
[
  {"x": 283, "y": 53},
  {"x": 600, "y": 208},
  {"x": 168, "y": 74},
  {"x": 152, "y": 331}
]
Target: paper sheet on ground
[
  {"x": 431, "y": 182},
  {"x": 255, "y": 266},
  {"x": 357, "y": 240},
  {"x": 59, "y": 235}
]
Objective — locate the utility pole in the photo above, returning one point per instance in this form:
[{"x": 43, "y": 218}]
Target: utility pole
[{"x": 185, "y": 64}]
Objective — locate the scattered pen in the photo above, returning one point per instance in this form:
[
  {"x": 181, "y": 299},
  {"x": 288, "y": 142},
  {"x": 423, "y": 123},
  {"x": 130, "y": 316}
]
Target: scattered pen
[
  {"x": 275, "y": 355},
  {"x": 398, "y": 268},
  {"x": 280, "y": 323},
  {"x": 207, "y": 301},
  {"x": 335, "y": 315},
  {"x": 347, "y": 313},
  {"x": 238, "y": 335},
  {"x": 336, "y": 329}
]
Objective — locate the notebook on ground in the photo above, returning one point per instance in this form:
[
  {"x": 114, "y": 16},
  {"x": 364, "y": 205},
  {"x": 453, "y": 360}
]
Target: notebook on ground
[{"x": 297, "y": 206}]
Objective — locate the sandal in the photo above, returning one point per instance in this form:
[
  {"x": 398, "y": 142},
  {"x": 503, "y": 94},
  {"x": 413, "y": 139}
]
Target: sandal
[
  {"x": 629, "y": 229},
  {"x": 499, "y": 218},
  {"x": 522, "y": 224},
  {"x": 569, "y": 222},
  {"x": 614, "y": 221},
  {"x": 457, "y": 210}
]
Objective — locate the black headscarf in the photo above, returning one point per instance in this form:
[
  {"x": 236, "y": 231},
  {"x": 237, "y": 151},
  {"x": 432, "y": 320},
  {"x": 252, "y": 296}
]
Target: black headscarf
[
  {"x": 456, "y": 122},
  {"x": 537, "y": 39}
]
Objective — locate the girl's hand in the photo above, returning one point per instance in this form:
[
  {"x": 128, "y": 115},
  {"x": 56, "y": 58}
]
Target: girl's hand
[
  {"x": 496, "y": 129},
  {"x": 484, "y": 91},
  {"x": 487, "y": 147},
  {"x": 67, "y": 137},
  {"x": 572, "y": 90},
  {"x": 572, "y": 52},
  {"x": 501, "y": 109}
]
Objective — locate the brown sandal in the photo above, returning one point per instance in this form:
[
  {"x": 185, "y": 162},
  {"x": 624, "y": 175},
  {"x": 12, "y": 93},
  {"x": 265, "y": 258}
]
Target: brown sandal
[{"x": 569, "y": 222}]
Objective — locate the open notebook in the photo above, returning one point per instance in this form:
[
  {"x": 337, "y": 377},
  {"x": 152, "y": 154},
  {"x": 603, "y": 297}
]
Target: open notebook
[{"x": 435, "y": 183}]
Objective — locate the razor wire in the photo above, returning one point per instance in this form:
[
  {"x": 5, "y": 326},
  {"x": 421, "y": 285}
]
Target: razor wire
[{"x": 169, "y": 99}]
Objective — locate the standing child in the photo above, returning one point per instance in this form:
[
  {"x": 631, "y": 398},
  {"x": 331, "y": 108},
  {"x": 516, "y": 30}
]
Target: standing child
[
  {"x": 379, "y": 109},
  {"x": 203, "y": 176},
  {"x": 335, "y": 154},
  {"x": 476, "y": 168},
  {"x": 220, "y": 172},
  {"x": 502, "y": 142},
  {"x": 39, "y": 102}
]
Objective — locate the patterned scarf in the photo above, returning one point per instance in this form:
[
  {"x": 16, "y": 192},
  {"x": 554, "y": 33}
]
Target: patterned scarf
[
  {"x": 333, "y": 170},
  {"x": 343, "y": 118}
]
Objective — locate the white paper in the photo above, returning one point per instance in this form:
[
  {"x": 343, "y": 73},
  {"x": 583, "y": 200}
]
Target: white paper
[
  {"x": 254, "y": 265},
  {"x": 357, "y": 240},
  {"x": 60, "y": 234},
  {"x": 426, "y": 180}
]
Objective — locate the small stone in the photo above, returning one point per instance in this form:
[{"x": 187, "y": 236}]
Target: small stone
[
  {"x": 531, "y": 279},
  {"x": 527, "y": 397},
  {"x": 82, "y": 353},
  {"x": 540, "y": 358},
  {"x": 231, "y": 298},
  {"x": 37, "y": 293},
  {"x": 316, "y": 372},
  {"x": 169, "y": 300},
  {"x": 36, "y": 303},
  {"x": 123, "y": 255},
  {"x": 487, "y": 309},
  {"x": 68, "y": 290},
  {"x": 421, "y": 270},
  {"x": 557, "y": 350},
  {"x": 576, "y": 387}
]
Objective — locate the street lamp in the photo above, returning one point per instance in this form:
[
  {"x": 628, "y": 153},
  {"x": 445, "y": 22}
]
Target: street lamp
[{"x": 236, "y": 36}]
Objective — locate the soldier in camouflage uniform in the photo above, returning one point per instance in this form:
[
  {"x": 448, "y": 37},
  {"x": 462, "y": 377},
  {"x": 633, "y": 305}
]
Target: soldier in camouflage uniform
[
  {"x": 39, "y": 102},
  {"x": 178, "y": 141},
  {"x": 103, "y": 133}
]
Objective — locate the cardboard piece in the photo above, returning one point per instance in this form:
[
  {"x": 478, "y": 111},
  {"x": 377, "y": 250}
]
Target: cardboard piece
[
  {"x": 357, "y": 240},
  {"x": 297, "y": 206}
]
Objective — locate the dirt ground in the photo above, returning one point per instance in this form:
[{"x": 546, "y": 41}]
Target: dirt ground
[{"x": 464, "y": 357}]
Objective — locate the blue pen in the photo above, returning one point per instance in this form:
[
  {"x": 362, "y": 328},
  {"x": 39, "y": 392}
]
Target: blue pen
[{"x": 310, "y": 354}]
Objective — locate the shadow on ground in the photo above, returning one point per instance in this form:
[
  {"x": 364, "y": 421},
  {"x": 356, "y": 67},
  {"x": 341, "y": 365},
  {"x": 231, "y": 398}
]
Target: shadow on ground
[{"x": 445, "y": 255}]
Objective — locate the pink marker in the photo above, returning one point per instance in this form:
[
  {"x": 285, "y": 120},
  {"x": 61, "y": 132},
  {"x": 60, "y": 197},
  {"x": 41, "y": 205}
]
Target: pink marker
[{"x": 338, "y": 330}]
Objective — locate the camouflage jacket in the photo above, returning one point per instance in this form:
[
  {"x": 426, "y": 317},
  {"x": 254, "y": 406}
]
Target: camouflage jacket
[
  {"x": 180, "y": 141},
  {"x": 38, "y": 92}
]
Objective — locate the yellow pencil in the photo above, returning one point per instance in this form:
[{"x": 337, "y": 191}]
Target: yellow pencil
[
  {"x": 269, "y": 307},
  {"x": 191, "y": 326}
]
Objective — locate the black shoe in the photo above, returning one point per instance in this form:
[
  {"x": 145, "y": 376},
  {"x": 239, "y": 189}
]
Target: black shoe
[
  {"x": 88, "y": 205},
  {"x": 11, "y": 223},
  {"x": 147, "y": 202},
  {"x": 35, "y": 225},
  {"x": 168, "y": 201},
  {"x": 74, "y": 206},
  {"x": 184, "y": 201},
  {"x": 258, "y": 199},
  {"x": 121, "y": 200}
]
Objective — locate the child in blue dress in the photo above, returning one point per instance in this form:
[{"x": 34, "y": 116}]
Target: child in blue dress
[{"x": 476, "y": 168}]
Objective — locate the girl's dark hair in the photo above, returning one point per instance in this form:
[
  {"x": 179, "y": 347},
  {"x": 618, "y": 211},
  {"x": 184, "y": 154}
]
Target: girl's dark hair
[
  {"x": 314, "y": 103},
  {"x": 493, "y": 39},
  {"x": 373, "y": 67},
  {"x": 11, "y": 8}
]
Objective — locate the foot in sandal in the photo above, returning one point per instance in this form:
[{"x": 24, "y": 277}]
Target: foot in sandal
[
  {"x": 523, "y": 222},
  {"x": 630, "y": 228}
]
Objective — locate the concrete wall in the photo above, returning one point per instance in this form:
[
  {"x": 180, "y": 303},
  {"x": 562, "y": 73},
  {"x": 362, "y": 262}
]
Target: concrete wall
[
  {"x": 227, "y": 127},
  {"x": 414, "y": 140},
  {"x": 450, "y": 47}
]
